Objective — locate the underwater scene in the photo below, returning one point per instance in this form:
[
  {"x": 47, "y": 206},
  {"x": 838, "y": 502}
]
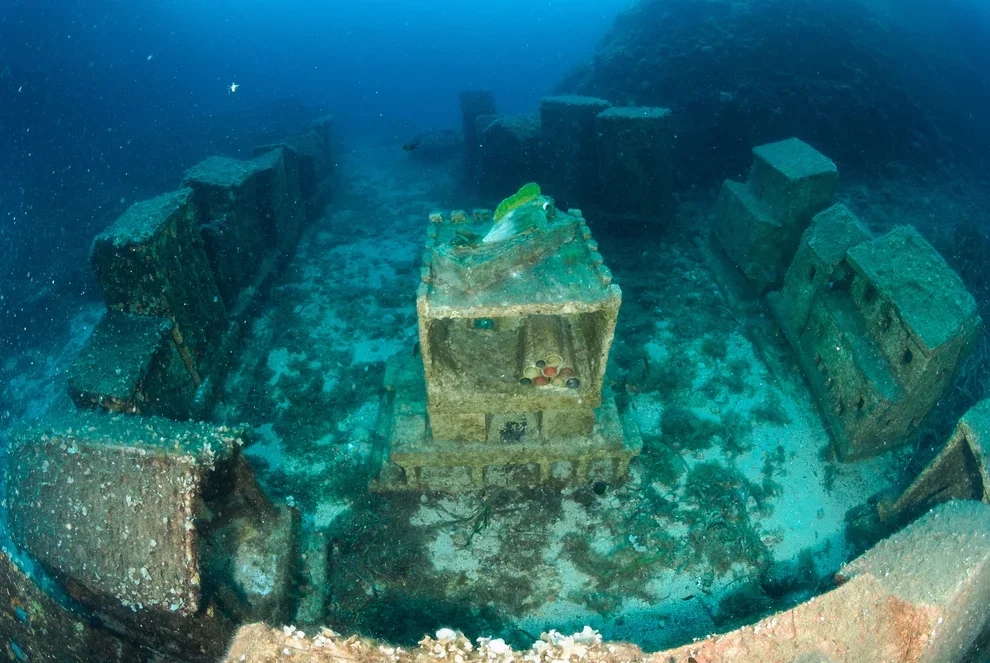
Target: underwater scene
[{"x": 495, "y": 332}]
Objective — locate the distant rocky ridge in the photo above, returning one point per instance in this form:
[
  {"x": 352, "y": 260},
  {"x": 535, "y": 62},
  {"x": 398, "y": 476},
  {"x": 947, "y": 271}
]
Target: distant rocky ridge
[{"x": 854, "y": 82}]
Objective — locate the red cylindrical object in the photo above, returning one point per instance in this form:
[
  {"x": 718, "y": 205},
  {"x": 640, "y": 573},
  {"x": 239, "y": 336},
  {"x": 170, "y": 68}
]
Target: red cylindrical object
[{"x": 540, "y": 381}]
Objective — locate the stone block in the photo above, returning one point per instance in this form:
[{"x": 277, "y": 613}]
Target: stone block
[
  {"x": 474, "y": 103},
  {"x": 794, "y": 180},
  {"x": 637, "y": 174},
  {"x": 36, "y": 626},
  {"x": 280, "y": 202},
  {"x": 510, "y": 153},
  {"x": 237, "y": 241},
  {"x": 133, "y": 364},
  {"x": 882, "y": 338},
  {"x": 961, "y": 470},
  {"x": 566, "y": 423},
  {"x": 749, "y": 235},
  {"x": 570, "y": 149},
  {"x": 819, "y": 261},
  {"x": 457, "y": 425},
  {"x": 152, "y": 261},
  {"x": 156, "y": 527},
  {"x": 323, "y": 127}
]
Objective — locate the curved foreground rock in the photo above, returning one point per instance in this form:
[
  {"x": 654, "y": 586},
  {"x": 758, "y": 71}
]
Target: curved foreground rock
[{"x": 920, "y": 595}]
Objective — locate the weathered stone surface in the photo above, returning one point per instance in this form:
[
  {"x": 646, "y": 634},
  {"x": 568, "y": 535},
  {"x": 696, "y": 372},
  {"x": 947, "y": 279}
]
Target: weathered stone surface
[
  {"x": 748, "y": 233},
  {"x": 759, "y": 225},
  {"x": 882, "y": 337},
  {"x": 819, "y": 260},
  {"x": 918, "y": 597},
  {"x": 928, "y": 297},
  {"x": 230, "y": 221},
  {"x": 142, "y": 520},
  {"x": 323, "y": 126},
  {"x": 280, "y": 200},
  {"x": 793, "y": 179},
  {"x": 510, "y": 153},
  {"x": 570, "y": 149},
  {"x": 961, "y": 471},
  {"x": 132, "y": 363},
  {"x": 474, "y": 103},
  {"x": 34, "y": 626},
  {"x": 637, "y": 174},
  {"x": 513, "y": 368},
  {"x": 152, "y": 261}
]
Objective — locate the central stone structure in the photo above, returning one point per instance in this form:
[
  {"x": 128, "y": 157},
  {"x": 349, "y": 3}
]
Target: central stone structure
[{"x": 506, "y": 388}]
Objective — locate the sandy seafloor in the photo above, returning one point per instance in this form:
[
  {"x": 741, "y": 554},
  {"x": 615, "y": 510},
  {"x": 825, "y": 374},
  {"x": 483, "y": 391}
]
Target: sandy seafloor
[{"x": 735, "y": 502}]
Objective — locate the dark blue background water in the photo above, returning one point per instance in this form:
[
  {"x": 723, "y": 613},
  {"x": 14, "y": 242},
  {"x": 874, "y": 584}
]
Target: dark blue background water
[{"x": 102, "y": 103}]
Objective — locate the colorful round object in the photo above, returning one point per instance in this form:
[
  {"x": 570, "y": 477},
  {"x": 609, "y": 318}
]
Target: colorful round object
[
  {"x": 540, "y": 381},
  {"x": 573, "y": 383}
]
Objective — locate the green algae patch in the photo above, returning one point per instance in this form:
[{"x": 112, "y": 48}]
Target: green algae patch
[{"x": 526, "y": 194}]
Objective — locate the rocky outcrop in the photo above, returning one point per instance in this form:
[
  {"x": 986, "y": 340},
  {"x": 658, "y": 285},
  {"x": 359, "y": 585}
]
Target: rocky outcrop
[{"x": 853, "y": 83}]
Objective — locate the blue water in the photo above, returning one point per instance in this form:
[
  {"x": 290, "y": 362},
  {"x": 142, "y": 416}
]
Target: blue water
[{"x": 103, "y": 103}]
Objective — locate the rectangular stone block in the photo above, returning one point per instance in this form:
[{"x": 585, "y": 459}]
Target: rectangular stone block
[
  {"x": 819, "y": 261},
  {"x": 474, "y": 104},
  {"x": 457, "y": 425},
  {"x": 570, "y": 149},
  {"x": 132, "y": 364},
  {"x": 637, "y": 174},
  {"x": 749, "y": 235},
  {"x": 280, "y": 200},
  {"x": 157, "y": 527},
  {"x": 152, "y": 261},
  {"x": 323, "y": 127},
  {"x": 314, "y": 167},
  {"x": 566, "y": 423},
  {"x": 961, "y": 470},
  {"x": 794, "y": 180},
  {"x": 907, "y": 273},
  {"x": 510, "y": 153},
  {"x": 237, "y": 241}
]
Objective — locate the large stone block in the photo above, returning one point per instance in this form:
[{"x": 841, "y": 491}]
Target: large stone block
[
  {"x": 748, "y": 234},
  {"x": 474, "y": 104},
  {"x": 961, "y": 471},
  {"x": 789, "y": 183},
  {"x": 637, "y": 175},
  {"x": 570, "y": 149},
  {"x": 230, "y": 220},
  {"x": 158, "y": 528},
  {"x": 280, "y": 200},
  {"x": 134, "y": 364},
  {"x": 883, "y": 336},
  {"x": 510, "y": 153},
  {"x": 794, "y": 180},
  {"x": 152, "y": 261},
  {"x": 819, "y": 261}
]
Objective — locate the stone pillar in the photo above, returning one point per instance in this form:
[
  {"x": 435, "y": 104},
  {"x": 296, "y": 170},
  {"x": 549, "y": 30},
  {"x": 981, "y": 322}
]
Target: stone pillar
[
  {"x": 570, "y": 151},
  {"x": 510, "y": 154},
  {"x": 152, "y": 261},
  {"x": 759, "y": 223},
  {"x": 474, "y": 103},
  {"x": 637, "y": 175}
]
